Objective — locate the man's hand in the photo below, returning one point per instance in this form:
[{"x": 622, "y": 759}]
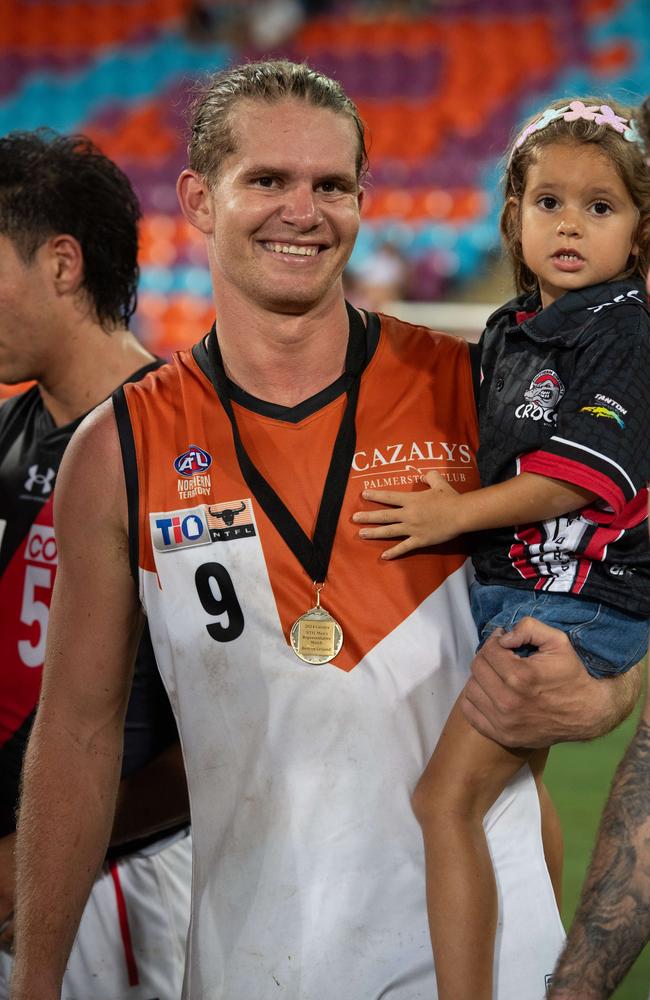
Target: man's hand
[
  {"x": 7, "y": 891},
  {"x": 427, "y": 517},
  {"x": 545, "y": 698}
]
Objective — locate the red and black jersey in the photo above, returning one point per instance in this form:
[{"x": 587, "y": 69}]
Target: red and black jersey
[
  {"x": 564, "y": 394},
  {"x": 31, "y": 449}
]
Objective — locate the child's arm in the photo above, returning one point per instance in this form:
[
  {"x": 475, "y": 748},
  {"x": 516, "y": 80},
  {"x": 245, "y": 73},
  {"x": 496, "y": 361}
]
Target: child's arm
[{"x": 433, "y": 516}]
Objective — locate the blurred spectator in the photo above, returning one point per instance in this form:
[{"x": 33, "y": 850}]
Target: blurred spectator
[
  {"x": 382, "y": 277},
  {"x": 264, "y": 25}
]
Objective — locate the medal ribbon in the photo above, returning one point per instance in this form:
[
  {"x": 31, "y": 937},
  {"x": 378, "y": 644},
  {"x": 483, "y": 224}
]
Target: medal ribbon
[{"x": 313, "y": 554}]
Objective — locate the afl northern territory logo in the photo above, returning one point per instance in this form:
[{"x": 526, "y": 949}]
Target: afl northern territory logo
[
  {"x": 194, "y": 460},
  {"x": 542, "y": 396}
]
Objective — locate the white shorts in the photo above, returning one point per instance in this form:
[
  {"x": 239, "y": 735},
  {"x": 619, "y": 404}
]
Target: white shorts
[{"x": 131, "y": 939}]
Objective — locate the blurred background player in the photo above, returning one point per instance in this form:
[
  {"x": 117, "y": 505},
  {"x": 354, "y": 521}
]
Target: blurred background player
[
  {"x": 612, "y": 924},
  {"x": 68, "y": 276},
  {"x": 564, "y": 459}
]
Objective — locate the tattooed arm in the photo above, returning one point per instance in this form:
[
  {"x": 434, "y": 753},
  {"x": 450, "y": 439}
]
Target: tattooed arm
[{"x": 613, "y": 920}]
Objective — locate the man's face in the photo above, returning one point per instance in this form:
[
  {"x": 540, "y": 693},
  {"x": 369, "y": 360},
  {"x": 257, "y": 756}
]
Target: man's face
[
  {"x": 285, "y": 206},
  {"x": 25, "y": 315}
]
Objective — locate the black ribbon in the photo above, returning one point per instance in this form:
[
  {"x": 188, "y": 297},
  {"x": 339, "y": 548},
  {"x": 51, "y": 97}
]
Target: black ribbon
[{"x": 313, "y": 554}]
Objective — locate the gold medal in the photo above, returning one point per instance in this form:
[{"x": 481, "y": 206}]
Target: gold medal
[{"x": 316, "y": 637}]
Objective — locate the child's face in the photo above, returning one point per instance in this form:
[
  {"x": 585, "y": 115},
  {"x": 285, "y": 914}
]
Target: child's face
[{"x": 577, "y": 219}]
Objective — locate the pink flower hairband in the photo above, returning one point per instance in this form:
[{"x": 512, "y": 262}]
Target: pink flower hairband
[{"x": 601, "y": 114}]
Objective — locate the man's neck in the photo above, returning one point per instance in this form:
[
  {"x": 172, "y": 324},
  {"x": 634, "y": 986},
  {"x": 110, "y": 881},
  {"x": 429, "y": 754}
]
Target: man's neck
[
  {"x": 91, "y": 364},
  {"x": 283, "y": 359}
]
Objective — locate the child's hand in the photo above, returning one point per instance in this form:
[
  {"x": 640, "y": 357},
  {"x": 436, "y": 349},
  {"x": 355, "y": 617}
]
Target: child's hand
[{"x": 427, "y": 517}]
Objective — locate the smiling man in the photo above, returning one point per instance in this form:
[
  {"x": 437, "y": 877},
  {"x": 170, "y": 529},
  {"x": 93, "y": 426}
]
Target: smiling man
[{"x": 309, "y": 679}]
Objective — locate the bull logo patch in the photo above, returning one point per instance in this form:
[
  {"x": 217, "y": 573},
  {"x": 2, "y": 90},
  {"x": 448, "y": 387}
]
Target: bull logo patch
[{"x": 228, "y": 521}]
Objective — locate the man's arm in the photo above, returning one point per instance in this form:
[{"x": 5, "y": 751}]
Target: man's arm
[
  {"x": 545, "y": 698},
  {"x": 613, "y": 920},
  {"x": 72, "y": 764}
]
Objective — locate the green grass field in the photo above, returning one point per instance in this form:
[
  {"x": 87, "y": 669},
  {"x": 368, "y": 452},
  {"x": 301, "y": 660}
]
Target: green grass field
[{"x": 578, "y": 777}]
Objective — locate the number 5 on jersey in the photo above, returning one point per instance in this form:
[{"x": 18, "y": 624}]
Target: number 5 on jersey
[{"x": 40, "y": 567}]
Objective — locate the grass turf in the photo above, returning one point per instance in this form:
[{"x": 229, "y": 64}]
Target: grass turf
[{"x": 578, "y": 777}]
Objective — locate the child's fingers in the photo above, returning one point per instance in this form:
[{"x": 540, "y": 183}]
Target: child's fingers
[
  {"x": 433, "y": 478},
  {"x": 400, "y": 549},
  {"x": 386, "y": 531},
  {"x": 385, "y": 496},
  {"x": 386, "y": 516},
  {"x": 437, "y": 482}
]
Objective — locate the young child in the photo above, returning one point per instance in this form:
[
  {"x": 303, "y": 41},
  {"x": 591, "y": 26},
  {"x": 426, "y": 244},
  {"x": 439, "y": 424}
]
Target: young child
[{"x": 564, "y": 417}]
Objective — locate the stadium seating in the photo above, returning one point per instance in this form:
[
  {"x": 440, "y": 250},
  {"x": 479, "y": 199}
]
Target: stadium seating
[{"x": 441, "y": 94}]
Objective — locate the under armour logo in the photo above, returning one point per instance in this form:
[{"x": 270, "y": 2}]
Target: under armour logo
[{"x": 36, "y": 478}]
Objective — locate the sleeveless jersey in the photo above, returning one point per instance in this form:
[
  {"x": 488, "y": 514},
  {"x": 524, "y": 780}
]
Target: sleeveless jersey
[
  {"x": 308, "y": 878},
  {"x": 31, "y": 449}
]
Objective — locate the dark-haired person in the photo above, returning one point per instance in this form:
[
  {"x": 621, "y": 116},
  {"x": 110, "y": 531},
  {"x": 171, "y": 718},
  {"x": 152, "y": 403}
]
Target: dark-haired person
[
  {"x": 612, "y": 923},
  {"x": 309, "y": 679},
  {"x": 68, "y": 276}
]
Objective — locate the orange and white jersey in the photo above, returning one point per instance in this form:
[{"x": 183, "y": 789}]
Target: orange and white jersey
[{"x": 308, "y": 878}]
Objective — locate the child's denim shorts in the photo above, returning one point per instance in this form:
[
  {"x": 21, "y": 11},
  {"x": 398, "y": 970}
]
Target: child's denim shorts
[{"x": 607, "y": 641}]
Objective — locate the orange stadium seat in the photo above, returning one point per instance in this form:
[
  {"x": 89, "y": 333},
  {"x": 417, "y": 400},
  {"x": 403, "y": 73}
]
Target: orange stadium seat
[
  {"x": 82, "y": 25},
  {"x": 613, "y": 59},
  {"x": 142, "y": 134},
  {"x": 164, "y": 240},
  {"x": 173, "y": 324},
  {"x": 596, "y": 9}
]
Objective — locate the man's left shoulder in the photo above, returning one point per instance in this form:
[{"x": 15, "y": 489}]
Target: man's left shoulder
[{"x": 414, "y": 336}]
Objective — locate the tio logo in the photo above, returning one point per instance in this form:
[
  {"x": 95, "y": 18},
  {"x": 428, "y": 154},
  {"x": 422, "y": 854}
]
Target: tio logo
[{"x": 180, "y": 528}]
